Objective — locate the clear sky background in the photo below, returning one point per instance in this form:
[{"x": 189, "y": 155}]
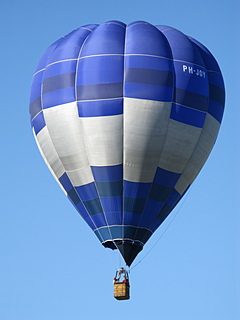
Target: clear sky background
[{"x": 52, "y": 266}]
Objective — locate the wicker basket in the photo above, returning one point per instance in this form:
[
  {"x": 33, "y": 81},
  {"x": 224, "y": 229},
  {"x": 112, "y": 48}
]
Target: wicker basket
[{"x": 121, "y": 290}]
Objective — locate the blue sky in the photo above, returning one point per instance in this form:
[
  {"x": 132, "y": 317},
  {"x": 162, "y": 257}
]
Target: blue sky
[{"x": 51, "y": 264}]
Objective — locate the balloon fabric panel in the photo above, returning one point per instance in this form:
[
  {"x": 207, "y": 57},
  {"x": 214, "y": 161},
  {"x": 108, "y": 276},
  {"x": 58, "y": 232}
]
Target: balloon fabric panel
[{"x": 125, "y": 117}]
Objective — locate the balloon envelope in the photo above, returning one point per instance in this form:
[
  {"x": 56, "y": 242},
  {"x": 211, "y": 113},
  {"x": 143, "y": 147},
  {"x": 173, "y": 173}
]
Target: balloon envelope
[{"x": 125, "y": 117}]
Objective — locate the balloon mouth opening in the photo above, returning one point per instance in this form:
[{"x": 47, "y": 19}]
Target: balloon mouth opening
[
  {"x": 113, "y": 244},
  {"x": 129, "y": 249}
]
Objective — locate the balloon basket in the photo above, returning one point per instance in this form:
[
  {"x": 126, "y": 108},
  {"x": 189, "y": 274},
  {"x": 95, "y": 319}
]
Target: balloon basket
[{"x": 121, "y": 291}]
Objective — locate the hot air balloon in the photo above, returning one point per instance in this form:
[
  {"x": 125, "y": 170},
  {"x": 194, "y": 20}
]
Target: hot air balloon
[{"x": 125, "y": 116}]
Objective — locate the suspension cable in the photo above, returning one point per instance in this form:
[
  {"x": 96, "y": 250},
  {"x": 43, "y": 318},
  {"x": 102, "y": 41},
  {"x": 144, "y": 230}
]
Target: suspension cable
[{"x": 160, "y": 237}]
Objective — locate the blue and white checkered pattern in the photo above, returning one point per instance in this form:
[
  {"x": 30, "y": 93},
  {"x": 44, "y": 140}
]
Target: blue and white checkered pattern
[{"x": 125, "y": 117}]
